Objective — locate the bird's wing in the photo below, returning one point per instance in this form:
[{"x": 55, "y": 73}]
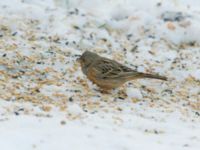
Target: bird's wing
[{"x": 109, "y": 69}]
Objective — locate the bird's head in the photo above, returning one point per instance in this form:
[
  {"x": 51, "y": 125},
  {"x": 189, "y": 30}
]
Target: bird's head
[{"x": 86, "y": 59}]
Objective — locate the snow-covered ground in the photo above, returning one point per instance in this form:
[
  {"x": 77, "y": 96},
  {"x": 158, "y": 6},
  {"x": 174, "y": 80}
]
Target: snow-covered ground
[{"x": 46, "y": 103}]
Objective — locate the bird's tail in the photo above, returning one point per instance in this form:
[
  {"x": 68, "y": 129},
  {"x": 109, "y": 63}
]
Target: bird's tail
[
  {"x": 153, "y": 76},
  {"x": 138, "y": 75}
]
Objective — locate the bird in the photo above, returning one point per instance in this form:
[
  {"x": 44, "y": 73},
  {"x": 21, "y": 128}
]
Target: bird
[{"x": 109, "y": 74}]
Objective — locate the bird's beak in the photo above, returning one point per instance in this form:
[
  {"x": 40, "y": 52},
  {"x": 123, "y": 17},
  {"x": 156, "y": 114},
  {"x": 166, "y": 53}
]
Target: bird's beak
[{"x": 78, "y": 59}]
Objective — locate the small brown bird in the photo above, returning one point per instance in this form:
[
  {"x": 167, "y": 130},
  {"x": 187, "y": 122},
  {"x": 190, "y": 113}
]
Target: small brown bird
[{"x": 109, "y": 74}]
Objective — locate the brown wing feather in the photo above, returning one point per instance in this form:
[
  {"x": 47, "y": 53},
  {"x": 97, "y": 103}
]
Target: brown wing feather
[{"x": 108, "y": 69}]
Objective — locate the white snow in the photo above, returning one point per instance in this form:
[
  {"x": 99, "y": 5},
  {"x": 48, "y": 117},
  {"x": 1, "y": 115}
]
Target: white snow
[
  {"x": 196, "y": 74},
  {"x": 46, "y": 103},
  {"x": 134, "y": 93}
]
